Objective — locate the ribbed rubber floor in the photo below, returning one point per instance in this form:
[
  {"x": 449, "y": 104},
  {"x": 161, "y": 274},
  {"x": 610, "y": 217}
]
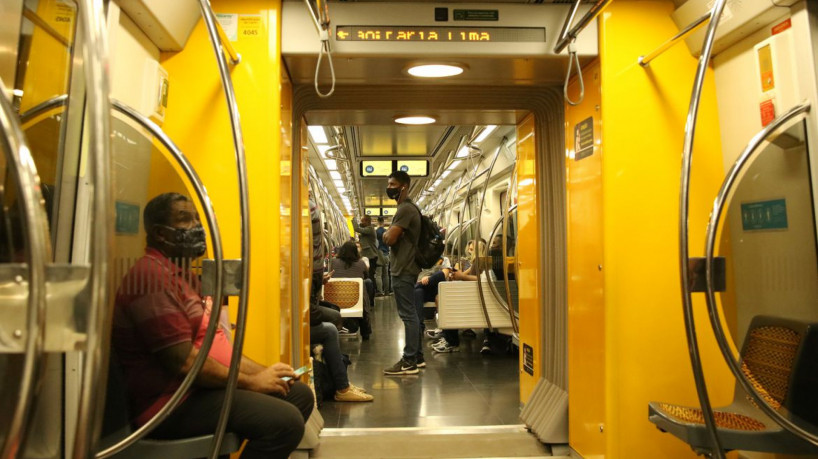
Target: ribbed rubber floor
[{"x": 426, "y": 443}]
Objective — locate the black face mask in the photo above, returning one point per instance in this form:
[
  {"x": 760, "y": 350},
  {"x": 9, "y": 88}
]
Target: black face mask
[
  {"x": 186, "y": 243},
  {"x": 393, "y": 193}
]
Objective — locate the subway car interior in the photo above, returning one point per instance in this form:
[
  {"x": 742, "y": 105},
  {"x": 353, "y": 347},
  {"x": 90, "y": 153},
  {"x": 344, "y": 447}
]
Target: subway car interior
[{"x": 582, "y": 228}]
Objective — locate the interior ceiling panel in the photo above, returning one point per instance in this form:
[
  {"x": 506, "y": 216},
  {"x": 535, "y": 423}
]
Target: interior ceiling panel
[{"x": 398, "y": 140}]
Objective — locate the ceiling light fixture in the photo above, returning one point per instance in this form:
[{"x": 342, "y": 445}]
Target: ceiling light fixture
[
  {"x": 331, "y": 164},
  {"x": 485, "y": 133},
  {"x": 464, "y": 152},
  {"x": 435, "y": 70},
  {"x": 454, "y": 165},
  {"x": 317, "y": 133},
  {"x": 415, "y": 120},
  {"x": 335, "y": 175}
]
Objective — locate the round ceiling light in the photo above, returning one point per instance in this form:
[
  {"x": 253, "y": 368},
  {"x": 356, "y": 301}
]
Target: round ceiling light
[
  {"x": 435, "y": 70},
  {"x": 420, "y": 119}
]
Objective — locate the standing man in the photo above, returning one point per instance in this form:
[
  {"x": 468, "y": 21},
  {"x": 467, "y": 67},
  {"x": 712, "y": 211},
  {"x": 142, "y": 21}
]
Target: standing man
[
  {"x": 382, "y": 272},
  {"x": 402, "y": 237},
  {"x": 369, "y": 245}
]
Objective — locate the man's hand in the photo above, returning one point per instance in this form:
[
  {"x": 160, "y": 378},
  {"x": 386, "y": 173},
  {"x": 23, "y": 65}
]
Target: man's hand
[
  {"x": 424, "y": 280},
  {"x": 328, "y": 276},
  {"x": 269, "y": 380}
]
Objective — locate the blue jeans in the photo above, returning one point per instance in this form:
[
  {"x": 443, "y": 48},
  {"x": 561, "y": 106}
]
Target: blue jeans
[
  {"x": 404, "y": 288},
  {"x": 327, "y": 335}
]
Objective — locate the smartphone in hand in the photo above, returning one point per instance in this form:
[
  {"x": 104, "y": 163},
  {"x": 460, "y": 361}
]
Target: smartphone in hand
[{"x": 298, "y": 373}]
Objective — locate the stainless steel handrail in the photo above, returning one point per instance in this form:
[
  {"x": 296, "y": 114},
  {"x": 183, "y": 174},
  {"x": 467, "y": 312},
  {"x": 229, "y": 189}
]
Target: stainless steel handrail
[
  {"x": 569, "y": 20},
  {"x": 241, "y": 166},
  {"x": 42, "y": 107},
  {"x": 215, "y": 236},
  {"x": 684, "y": 256},
  {"x": 506, "y": 281},
  {"x": 38, "y": 250},
  {"x": 712, "y": 229},
  {"x": 448, "y": 209},
  {"x": 478, "y": 233},
  {"x": 583, "y": 22},
  {"x": 645, "y": 60},
  {"x": 503, "y": 303},
  {"x": 471, "y": 179},
  {"x": 95, "y": 363}
]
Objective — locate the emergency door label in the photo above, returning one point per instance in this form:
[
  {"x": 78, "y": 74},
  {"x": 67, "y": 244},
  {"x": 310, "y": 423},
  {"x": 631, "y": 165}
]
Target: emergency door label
[
  {"x": 764, "y": 215},
  {"x": 584, "y": 139},
  {"x": 528, "y": 359}
]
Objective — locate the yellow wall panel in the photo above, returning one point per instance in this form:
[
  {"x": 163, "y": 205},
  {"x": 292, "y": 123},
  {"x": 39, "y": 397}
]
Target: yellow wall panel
[
  {"x": 198, "y": 121},
  {"x": 586, "y": 307},
  {"x": 530, "y": 271},
  {"x": 644, "y": 111}
]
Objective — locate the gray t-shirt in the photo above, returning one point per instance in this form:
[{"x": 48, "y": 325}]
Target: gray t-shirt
[{"x": 402, "y": 254}]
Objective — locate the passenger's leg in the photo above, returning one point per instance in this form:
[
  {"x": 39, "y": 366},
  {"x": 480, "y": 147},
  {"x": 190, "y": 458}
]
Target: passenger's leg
[
  {"x": 327, "y": 335},
  {"x": 379, "y": 284},
  {"x": 403, "y": 286},
  {"x": 273, "y": 425},
  {"x": 452, "y": 337}
]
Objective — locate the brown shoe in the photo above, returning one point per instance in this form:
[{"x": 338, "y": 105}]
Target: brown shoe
[{"x": 352, "y": 395}]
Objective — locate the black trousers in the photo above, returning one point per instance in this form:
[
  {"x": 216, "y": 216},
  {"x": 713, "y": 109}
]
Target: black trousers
[{"x": 273, "y": 425}]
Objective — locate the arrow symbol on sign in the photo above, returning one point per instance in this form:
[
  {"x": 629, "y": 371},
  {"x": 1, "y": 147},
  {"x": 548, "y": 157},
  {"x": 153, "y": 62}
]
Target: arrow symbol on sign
[{"x": 342, "y": 35}]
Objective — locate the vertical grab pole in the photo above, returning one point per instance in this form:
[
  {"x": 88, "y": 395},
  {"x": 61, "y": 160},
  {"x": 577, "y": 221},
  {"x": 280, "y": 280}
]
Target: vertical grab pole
[
  {"x": 241, "y": 165},
  {"x": 38, "y": 249},
  {"x": 684, "y": 256},
  {"x": 513, "y": 179},
  {"x": 477, "y": 259},
  {"x": 95, "y": 366}
]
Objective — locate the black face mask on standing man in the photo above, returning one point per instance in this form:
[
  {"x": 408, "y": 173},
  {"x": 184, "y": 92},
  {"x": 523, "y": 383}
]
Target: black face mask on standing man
[{"x": 393, "y": 193}]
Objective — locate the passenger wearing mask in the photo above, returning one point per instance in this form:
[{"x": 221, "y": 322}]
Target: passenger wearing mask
[
  {"x": 159, "y": 322},
  {"x": 402, "y": 238},
  {"x": 382, "y": 271},
  {"x": 348, "y": 264},
  {"x": 369, "y": 242}
]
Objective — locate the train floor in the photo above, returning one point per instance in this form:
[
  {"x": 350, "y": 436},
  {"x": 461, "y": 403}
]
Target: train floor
[
  {"x": 464, "y": 388},
  {"x": 463, "y": 404}
]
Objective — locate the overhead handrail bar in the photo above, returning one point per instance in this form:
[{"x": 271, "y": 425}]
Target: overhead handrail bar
[
  {"x": 583, "y": 22},
  {"x": 38, "y": 248},
  {"x": 684, "y": 255},
  {"x": 32, "y": 16},
  {"x": 471, "y": 179},
  {"x": 95, "y": 362},
  {"x": 321, "y": 21},
  {"x": 448, "y": 209},
  {"x": 569, "y": 20},
  {"x": 645, "y": 60},
  {"x": 241, "y": 166},
  {"x": 215, "y": 236},
  {"x": 506, "y": 281},
  {"x": 479, "y": 258},
  {"x": 710, "y": 243}
]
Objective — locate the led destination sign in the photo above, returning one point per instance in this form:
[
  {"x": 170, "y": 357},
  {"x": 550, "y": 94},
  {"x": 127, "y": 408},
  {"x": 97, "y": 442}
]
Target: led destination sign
[{"x": 441, "y": 34}]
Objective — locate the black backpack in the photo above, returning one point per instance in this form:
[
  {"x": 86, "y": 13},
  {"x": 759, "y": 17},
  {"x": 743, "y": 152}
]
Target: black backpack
[{"x": 430, "y": 242}]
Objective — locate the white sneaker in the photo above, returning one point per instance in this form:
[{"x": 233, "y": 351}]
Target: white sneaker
[{"x": 445, "y": 347}]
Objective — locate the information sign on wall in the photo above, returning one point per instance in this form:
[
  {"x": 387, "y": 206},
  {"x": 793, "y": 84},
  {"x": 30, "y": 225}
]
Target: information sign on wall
[
  {"x": 127, "y": 218},
  {"x": 764, "y": 215},
  {"x": 584, "y": 139}
]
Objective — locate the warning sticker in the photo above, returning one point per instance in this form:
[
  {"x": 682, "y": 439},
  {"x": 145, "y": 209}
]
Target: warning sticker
[
  {"x": 230, "y": 25},
  {"x": 250, "y": 26}
]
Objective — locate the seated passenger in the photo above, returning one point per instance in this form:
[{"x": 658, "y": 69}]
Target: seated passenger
[
  {"x": 450, "y": 340},
  {"x": 426, "y": 286},
  {"x": 348, "y": 264},
  {"x": 159, "y": 316}
]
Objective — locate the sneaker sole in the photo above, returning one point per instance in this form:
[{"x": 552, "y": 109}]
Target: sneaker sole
[{"x": 402, "y": 372}]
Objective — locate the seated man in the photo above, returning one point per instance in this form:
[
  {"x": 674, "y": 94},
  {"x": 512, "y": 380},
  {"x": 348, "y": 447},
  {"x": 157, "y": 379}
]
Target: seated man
[{"x": 159, "y": 320}]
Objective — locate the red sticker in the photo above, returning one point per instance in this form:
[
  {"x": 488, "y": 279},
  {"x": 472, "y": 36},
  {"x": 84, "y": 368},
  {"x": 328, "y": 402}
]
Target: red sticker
[
  {"x": 767, "y": 112},
  {"x": 780, "y": 27}
]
